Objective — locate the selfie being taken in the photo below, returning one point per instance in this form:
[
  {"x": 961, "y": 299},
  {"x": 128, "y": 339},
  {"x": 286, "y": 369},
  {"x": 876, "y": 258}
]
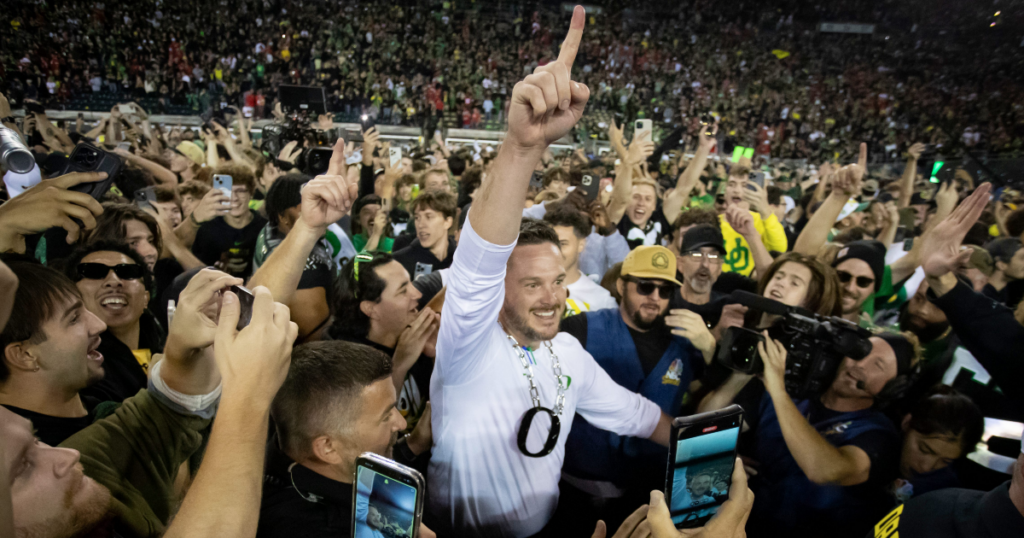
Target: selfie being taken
[{"x": 433, "y": 268}]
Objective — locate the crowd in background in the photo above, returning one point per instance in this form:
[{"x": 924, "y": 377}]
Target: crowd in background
[
  {"x": 430, "y": 301},
  {"x": 765, "y": 70}
]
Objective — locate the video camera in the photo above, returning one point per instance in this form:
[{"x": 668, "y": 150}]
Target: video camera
[
  {"x": 815, "y": 344},
  {"x": 314, "y": 143}
]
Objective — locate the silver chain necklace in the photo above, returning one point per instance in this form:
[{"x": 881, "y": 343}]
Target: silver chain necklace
[{"x": 534, "y": 392}]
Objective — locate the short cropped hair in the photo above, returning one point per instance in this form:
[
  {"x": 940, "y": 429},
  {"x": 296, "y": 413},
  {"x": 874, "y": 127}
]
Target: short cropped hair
[
  {"x": 166, "y": 194},
  {"x": 567, "y": 215},
  {"x": 321, "y": 394},
  {"x": 946, "y": 411},
  {"x": 440, "y": 201},
  {"x": 695, "y": 216},
  {"x": 536, "y": 232},
  {"x": 41, "y": 291}
]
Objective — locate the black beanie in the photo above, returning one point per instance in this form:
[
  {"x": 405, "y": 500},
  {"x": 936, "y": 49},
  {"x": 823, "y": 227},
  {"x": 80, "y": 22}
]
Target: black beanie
[
  {"x": 871, "y": 252},
  {"x": 903, "y": 349},
  {"x": 285, "y": 193}
]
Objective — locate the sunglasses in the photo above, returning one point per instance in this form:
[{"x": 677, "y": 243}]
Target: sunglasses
[
  {"x": 99, "y": 271},
  {"x": 862, "y": 281},
  {"x": 647, "y": 287}
]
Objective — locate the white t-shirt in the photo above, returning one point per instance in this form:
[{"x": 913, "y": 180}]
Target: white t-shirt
[
  {"x": 586, "y": 295},
  {"x": 479, "y": 480}
]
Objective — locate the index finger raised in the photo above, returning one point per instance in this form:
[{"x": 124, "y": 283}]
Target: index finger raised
[
  {"x": 337, "y": 164},
  {"x": 572, "y": 40}
]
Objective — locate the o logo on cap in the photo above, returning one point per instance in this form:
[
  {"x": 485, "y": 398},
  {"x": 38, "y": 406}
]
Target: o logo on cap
[{"x": 660, "y": 261}]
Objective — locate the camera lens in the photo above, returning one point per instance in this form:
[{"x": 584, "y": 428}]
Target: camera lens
[{"x": 639, "y": 125}]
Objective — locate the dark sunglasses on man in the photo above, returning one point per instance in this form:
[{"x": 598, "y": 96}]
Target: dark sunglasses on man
[
  {"x": 862, "y": 281},
  {"x": 646, "y": 287},
  {"x": 99, "y": 271}
]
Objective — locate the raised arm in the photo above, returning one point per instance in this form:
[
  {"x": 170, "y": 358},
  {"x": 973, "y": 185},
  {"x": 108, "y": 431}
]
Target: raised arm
[
  {"x": 673, "y": 205},
  {"x": 945, "y": 200},
  {"x": 161, "y": 174},
  {"x": 846, "y": 184},
  {"x": 909, "y": 173},
  {"x": 622, "y": 189},
  {"x": 544, "y": 107},
  {"x": 743, "y": 222}
]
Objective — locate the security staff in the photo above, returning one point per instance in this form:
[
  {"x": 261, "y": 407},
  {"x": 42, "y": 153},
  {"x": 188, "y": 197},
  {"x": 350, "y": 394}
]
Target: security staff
[{"x": 634, "y": 343}]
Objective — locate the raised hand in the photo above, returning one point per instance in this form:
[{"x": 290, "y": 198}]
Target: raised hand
[
  {"x": 757, "y": 197},
  {"x": 941, "y": 245},
  {"x": 847, "y": 181},
  {"x": 547, "y": 104},
  {"x": 741, "y": 221},
  {"x": 916, "y": 150},
  {"x": 194, "y": 325},
  {"x": 708, "y": 142},
  {"x": 690, "y": 325},
  {"x": 729, "y": 522},
  {"x": 329, "y": 197},
  {"x": 48, "y": 205},
  {"x": 773, "y": 355},
  {"x": 214, "y": 204},
  {"x": 253, "y": 362},
  {"x": 616, "y": 139},
  {"x": 639, "y": 150}
]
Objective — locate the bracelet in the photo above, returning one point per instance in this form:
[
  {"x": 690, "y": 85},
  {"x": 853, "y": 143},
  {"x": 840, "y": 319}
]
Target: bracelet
[{"x": 192, "y": 217}]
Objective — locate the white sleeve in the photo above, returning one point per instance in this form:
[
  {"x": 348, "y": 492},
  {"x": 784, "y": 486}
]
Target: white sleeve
[
  {"x": 609, "y": 406},
  {"x": 536, "y": 211},
  {"x": 476, "y": 291}
]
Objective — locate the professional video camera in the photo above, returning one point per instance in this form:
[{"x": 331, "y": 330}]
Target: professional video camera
[
  {"x": 815, "y": 344},
  {"x": 314, "y": 143}
]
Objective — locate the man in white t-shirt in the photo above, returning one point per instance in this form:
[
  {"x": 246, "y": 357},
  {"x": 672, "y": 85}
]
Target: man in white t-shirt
[
  {"x": 572, "y": 228},
  {"x": 487, "y": 477}
]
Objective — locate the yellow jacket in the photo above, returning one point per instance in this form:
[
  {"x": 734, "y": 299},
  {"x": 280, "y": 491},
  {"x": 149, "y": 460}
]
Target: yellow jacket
[{"x": 737, "y": 250}]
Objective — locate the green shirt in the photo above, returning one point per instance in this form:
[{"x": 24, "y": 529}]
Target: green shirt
[
  {"x": 885, "y": 291},
  {"x": 384, "y": 245},
  {"x": 136, "y": 454}
]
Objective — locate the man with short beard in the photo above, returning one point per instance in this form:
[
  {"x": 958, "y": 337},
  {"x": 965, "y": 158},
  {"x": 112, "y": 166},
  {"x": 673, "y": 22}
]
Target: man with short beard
[
  {"x": 700, "y": 263},
  {"x": 504, "y": 377},
  {"x": 641, "y": 352}
]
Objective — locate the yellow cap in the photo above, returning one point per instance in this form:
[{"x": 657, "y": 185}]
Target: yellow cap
[
  {"x": 191, "y": 151},
  {"x": 655, "y": 262}
]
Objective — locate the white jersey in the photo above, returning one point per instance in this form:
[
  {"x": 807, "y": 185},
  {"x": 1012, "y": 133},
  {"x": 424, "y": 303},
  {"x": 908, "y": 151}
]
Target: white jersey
[
  {"x": 480, "y": 483},
  {"x": 585, "y": 295}
]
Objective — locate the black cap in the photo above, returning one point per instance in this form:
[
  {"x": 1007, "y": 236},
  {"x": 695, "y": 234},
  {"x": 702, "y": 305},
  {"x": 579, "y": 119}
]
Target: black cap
[
  {"x": 871, "y": 252},
  {"x": 703, "y": 235},
  {"x": 1002, "y": 250}
]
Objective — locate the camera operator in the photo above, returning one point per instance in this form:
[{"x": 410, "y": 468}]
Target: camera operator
[{"x": 825, "y": 462}]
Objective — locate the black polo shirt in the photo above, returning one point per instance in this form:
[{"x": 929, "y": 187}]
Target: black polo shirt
[{"x": 954, "y": 513}]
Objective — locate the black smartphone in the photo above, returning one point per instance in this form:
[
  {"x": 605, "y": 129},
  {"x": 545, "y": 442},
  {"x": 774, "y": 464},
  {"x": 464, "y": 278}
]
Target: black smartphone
[
  {"x": 245, "y": 300},
  {"x": 89, "y": 158},
  {"x": 145, "y": 198},
  {"x": 366, "y": 122},
  {"x": 35, "y": 107},
  {"x": 387, "y": 498},
  {"x": 701, "y": 458},
  {"x": 590, "y": 186}
]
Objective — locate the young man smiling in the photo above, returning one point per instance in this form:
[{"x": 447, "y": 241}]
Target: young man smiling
[{"x": 432, "y": 250}]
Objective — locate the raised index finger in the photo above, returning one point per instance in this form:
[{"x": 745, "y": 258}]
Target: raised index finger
[
  {"x": 572, "y": 40},
  {"x": 337, "y": 164}
]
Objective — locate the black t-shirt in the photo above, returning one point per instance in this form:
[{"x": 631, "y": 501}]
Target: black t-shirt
[
  {"x": 651, "y": 233},
  {"x": 217, "y": 241},
  {"x": 710, "y": 311},
  {"x": 54, "y": 430},
  {"x": 650, "y": 345},
  {"x": 954, "y": 513},
  {"x": 123, "y": 376},
  {"x": 420, "y": 261}
]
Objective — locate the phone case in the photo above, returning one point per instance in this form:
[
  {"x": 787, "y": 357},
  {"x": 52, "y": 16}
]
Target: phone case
[{"x": 89, "y": 158}]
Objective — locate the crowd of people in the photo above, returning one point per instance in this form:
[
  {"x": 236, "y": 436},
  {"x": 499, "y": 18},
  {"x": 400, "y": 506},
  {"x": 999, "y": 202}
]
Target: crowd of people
[
  {"x": 775, "y": 82},
  {"x": 200, "y": 335}
]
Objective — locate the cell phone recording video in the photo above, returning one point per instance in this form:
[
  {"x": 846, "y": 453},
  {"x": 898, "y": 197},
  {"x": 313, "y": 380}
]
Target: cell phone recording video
[
  {"x": 700, "y": 465},
  {"x": 245, "y": 301},
  {"x": 89, "y": 158},
  {"x": 223, "y": 183},
  {"x": 387, "y": 498},
  {"x": 145, "y": 198}
]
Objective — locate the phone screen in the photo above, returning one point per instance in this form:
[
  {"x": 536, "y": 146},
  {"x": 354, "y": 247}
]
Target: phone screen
[
  {"x": 384, "y": 506},
  {"x": 700, "y": 469}
]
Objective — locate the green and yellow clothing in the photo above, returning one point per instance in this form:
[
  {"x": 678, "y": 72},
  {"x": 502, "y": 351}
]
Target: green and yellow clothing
[
  {"x": 384, "y": 245},
  {"x": 136, "y": 454},
  {"x": 737, "y": 251}
]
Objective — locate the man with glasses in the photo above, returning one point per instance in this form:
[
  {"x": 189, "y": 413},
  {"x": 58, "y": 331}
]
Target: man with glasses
[
  {"x": 700, "y": 264},
  {"x": 115, "y": 284},
  {"x": 606, "y": 476},
  {"x": 506, "y": 385},
  {"x": 861, "y": 268}
]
